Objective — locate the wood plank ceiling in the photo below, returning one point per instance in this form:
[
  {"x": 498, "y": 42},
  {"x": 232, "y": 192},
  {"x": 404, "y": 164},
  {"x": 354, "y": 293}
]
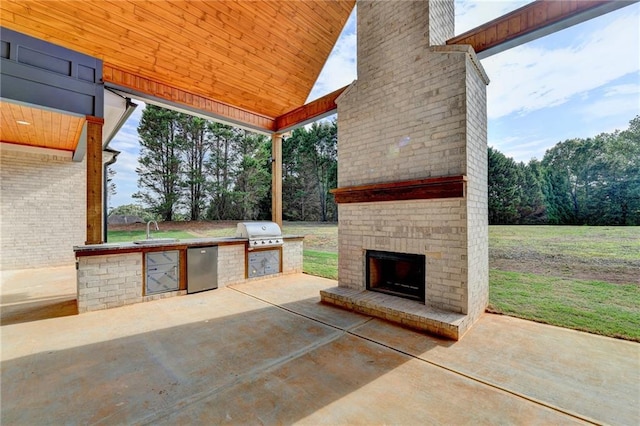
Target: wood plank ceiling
[
  {"x": 24, "y": 125},
  {"x": 262, "y": 57}
]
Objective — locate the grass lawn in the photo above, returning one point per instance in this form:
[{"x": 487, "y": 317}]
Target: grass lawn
[
  {"x": 321, "y": 264},
  {"x": 580, "y": 277},
  {"x": 126, "y": 236},
  {"x": 594, "y": 306},
  {"x": 595, "y": 242}
]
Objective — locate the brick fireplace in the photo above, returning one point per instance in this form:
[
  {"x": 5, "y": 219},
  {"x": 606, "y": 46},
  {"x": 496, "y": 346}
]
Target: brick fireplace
[{"x": 412, "y": 169}]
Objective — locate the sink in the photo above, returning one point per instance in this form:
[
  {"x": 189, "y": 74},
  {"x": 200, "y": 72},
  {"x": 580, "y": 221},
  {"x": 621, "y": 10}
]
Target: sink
[{"x": 156, "y": 241}]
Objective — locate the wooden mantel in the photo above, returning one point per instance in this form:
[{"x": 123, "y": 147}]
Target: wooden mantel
[{"x": 421, "y": 189}]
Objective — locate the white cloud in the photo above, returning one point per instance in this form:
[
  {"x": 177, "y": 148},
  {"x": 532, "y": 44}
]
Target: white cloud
[
  {"x": 473, "y": 13},
  {"x": 526, "y": 78},
  {"x": 126, "y": 179},
  {"x": 340, "y": 68},
  {"x": 523, "y": 147},
  {"x": 614, "y": 106},
  {"x": 126, "y": 139},
  {"x": 623, "y": 89},
  {"x": 526, "y": 152}
]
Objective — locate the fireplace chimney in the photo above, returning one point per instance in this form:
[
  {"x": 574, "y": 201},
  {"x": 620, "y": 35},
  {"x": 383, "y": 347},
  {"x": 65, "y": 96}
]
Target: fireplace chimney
[{"x": 412, "y": 165}]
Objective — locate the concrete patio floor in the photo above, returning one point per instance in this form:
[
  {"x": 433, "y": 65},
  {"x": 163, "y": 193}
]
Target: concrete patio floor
[{"x": 267, "y": 352}]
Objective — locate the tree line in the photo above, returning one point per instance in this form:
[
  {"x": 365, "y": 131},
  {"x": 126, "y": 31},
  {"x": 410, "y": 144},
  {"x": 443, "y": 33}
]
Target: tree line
[
  {"x": 193, "y": 169},
  {"x": 593, "y": 181}
]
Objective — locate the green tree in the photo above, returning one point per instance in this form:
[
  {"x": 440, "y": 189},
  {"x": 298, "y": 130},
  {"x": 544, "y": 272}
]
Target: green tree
[
  {"x": 624, "y": 155},
  {"x": 503, "y": 188},
  {"x": 195, "y": 150},
  {"x": 219, "y": 167},
  {"x": 568, "y": 166},
  {"x": 298, "y": 194},
  {"x": 531, "y": 209},
  {"x": 320, "y": 148},
  {"x": 615, "y": 187},
  {"x": 594, "y": 181},
  {"x": 309, "y": 172},
  {"x": 556, "y": 189},
  {"x": 160, "y": 163},
  {"x": 252, "y": 177}
]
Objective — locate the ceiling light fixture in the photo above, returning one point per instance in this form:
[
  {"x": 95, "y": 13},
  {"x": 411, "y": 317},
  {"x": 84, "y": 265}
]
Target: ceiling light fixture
[{"x": 24, "y": 123}]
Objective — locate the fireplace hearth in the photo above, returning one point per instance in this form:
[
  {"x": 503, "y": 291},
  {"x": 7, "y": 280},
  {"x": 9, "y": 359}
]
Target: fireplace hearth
[{"x": 397, "y": 274}]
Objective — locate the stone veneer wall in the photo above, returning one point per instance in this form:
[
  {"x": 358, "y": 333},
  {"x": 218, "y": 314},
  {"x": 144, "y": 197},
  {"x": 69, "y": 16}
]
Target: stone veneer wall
[
  {"x": 416, "y": 111},
  {"x": 42, "y": 207}
]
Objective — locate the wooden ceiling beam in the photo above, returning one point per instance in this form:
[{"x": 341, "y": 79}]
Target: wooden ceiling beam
[
  {"x": 137, "y": 85},
  {"x": 307, "y": 113},
  {"x": 535, "y": 20}
]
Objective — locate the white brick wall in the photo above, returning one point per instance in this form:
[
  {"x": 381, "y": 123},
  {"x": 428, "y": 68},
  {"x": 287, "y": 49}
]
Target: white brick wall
[
  {"x": 407, "y": 110},
  {"x": 442, "y": 15},
  {"x": 231, "y": 264},
  {"x": 42, "y": 207},
  {"x": 477, "y": 201},
  {"x": 392, "y": 34},
  {"x": 109, "y": 281},
  {"x": 292, "y": 256}
]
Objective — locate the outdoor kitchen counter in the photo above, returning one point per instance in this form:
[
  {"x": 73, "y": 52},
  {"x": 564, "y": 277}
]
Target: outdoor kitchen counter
[{"x": 114, "y": 274}]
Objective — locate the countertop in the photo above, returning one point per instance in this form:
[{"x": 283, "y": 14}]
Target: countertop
[{"x": 131, "y": 247}]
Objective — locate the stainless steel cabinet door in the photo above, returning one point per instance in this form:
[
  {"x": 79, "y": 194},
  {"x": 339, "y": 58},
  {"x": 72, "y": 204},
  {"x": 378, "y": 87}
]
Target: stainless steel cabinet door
[
  {"x": 202, "y": 269},
  {"x": 163, "y": 271},
  {"x": 263, "y": 263}
]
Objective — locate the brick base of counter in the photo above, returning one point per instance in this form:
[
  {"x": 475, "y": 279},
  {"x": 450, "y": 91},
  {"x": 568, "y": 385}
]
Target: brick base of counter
[
  {"x": 292, "y": 256},
  {"x": 109, "y": 281}
]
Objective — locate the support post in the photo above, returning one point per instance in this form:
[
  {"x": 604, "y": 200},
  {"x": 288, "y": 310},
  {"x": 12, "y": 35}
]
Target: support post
[
  {"x": 94, "y": 180},
  {"x": 276, "y": 178}
]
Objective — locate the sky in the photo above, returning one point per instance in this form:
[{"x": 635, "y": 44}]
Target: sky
[{"x": 576, "y": 83}]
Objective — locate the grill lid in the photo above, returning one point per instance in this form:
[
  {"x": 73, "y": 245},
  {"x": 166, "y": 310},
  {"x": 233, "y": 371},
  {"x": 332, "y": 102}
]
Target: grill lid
[
  {"x": 260, "y": 234},
  {"x": 254, "y": 230}
]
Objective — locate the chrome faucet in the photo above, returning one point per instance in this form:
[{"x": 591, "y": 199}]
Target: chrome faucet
[{"x": 148, "y": 232}]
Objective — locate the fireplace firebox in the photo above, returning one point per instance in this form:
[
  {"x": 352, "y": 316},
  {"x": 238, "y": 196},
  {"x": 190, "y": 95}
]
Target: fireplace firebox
[{"x": 398, "y": 274}]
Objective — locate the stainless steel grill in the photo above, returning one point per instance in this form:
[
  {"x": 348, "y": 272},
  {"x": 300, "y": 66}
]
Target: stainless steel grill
[{"x": 260, "y": 234}]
